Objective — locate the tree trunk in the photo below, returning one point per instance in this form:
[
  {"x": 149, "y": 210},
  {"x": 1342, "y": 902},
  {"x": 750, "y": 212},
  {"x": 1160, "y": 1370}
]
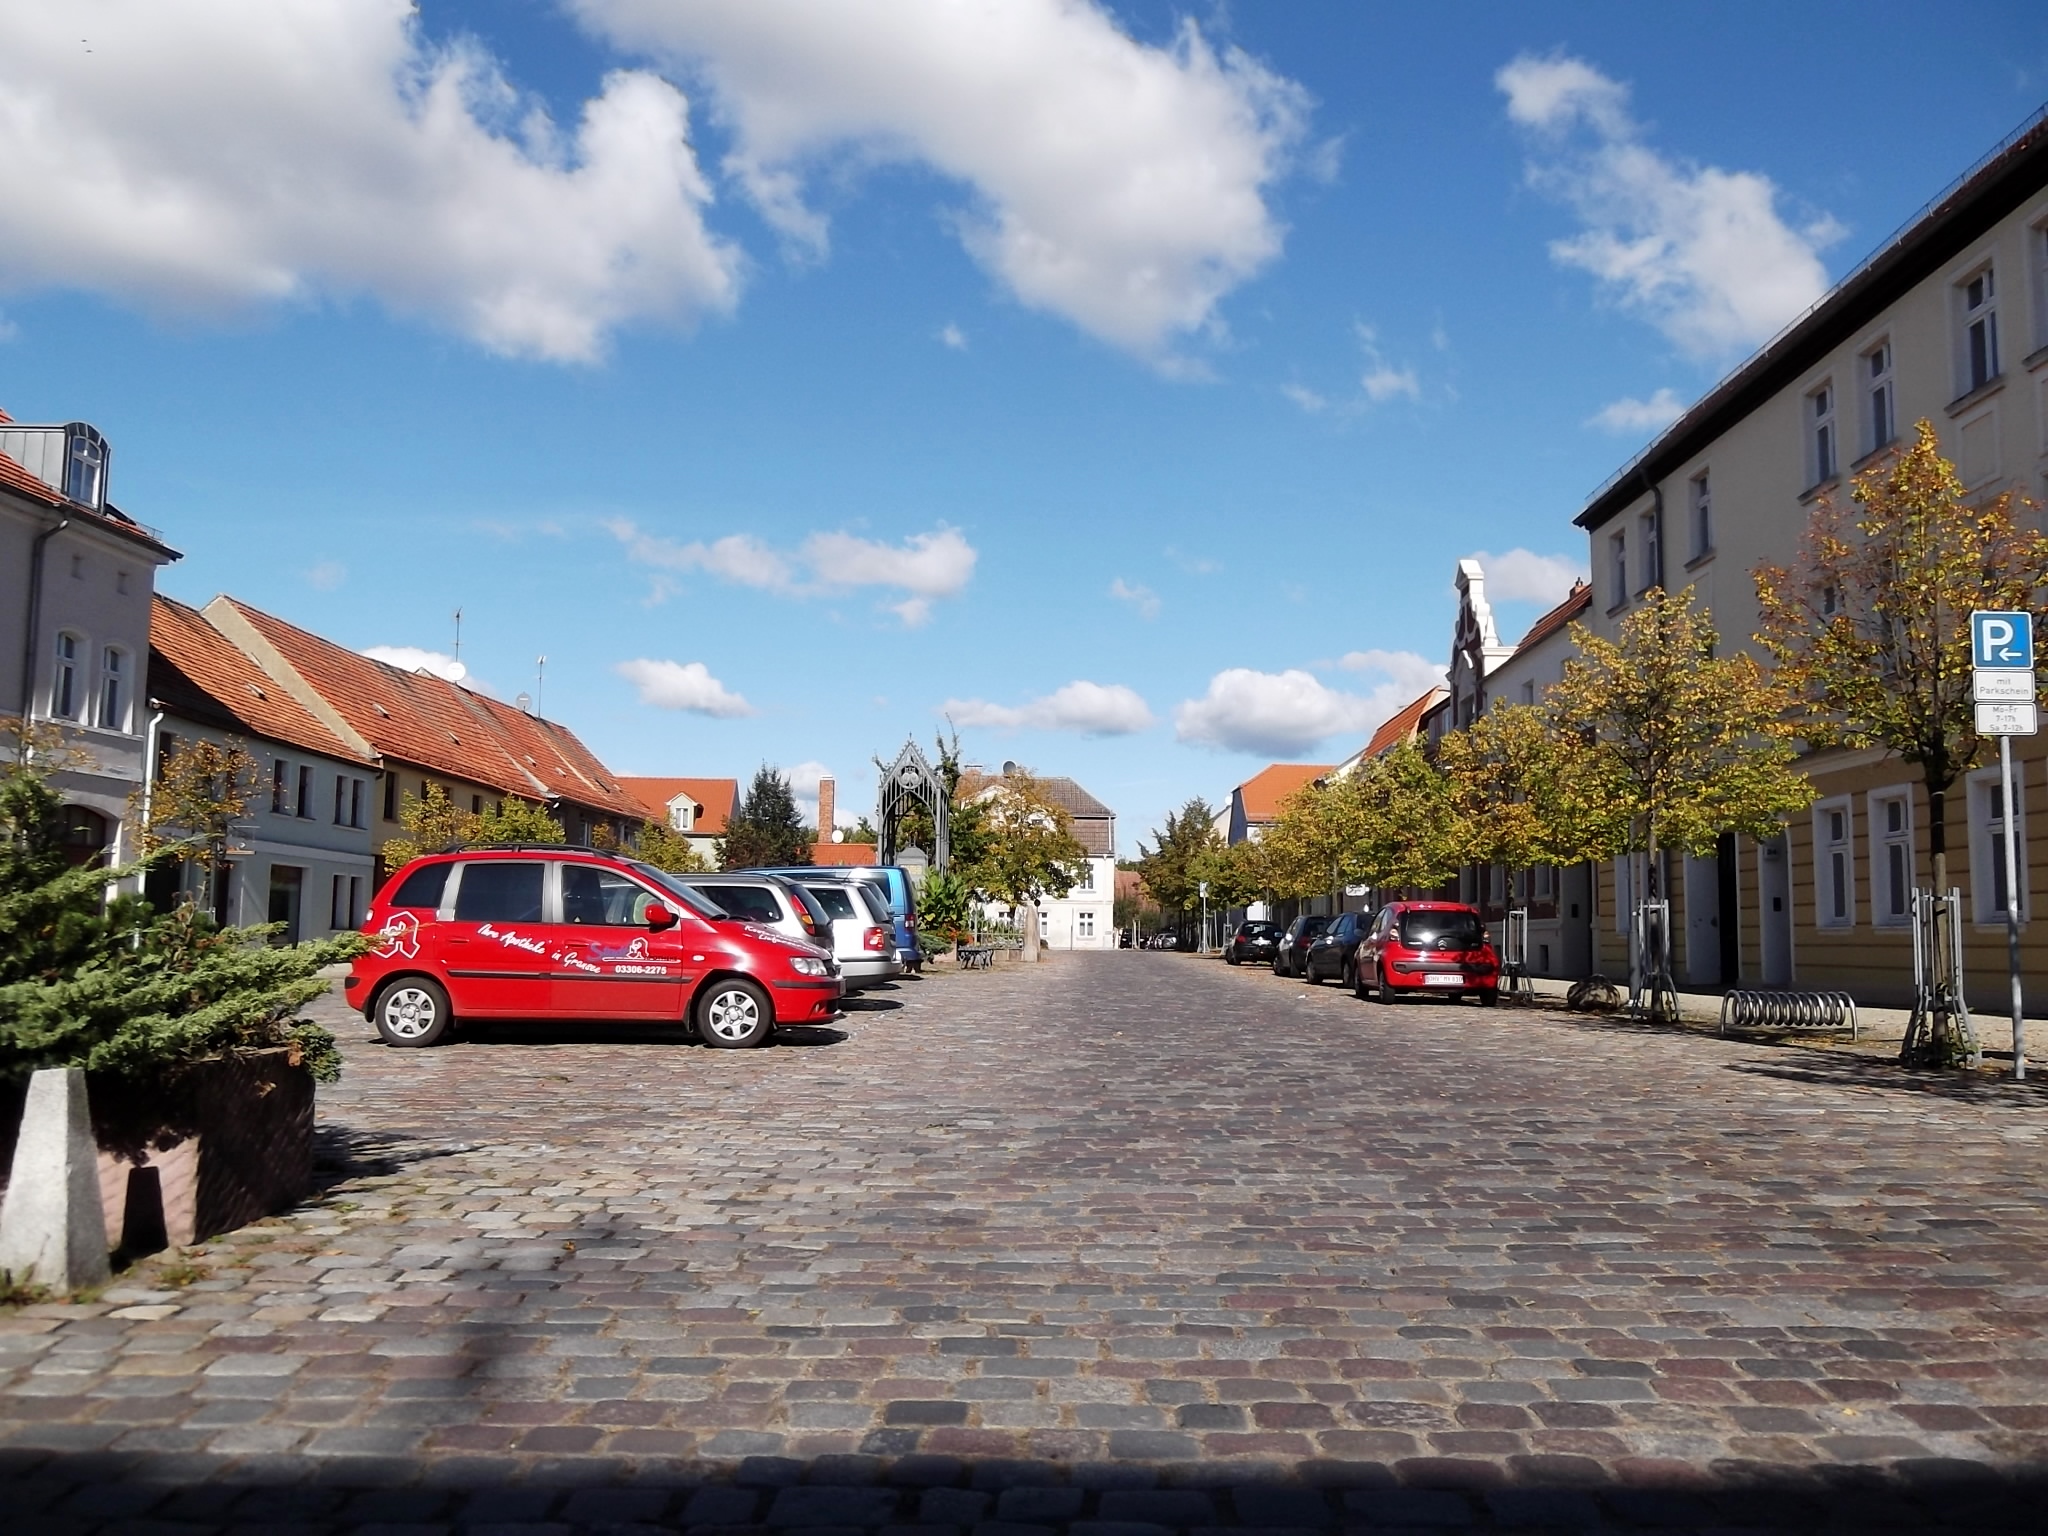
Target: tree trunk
[{"x": 1937, "y": 834}]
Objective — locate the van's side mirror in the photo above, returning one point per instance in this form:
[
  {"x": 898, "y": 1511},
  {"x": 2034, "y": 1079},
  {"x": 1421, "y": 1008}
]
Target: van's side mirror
[{"x": 659, "y": 917}]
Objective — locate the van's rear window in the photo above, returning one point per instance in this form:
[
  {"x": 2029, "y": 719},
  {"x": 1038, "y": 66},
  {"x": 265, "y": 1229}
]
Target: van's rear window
[
  {"x": 423, "y": 887},
  {"x": 1442, "y": 930}
]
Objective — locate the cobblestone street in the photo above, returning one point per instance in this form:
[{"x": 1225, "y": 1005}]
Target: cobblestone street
[{"x": 1123, "y": 1243}]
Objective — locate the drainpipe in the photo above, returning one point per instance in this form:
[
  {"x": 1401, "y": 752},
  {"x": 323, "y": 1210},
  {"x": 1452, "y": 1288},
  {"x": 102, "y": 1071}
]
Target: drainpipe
[{"x": 35, "y": 619}]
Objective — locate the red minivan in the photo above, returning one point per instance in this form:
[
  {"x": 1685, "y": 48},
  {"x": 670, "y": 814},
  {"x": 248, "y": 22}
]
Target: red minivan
[
  {"x": 570, "y": 933},
  {"x": 1416, "y": 948}
]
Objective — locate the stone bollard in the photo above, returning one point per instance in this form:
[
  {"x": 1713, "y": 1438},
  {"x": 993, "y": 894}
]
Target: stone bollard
[{"x": 52, "y": 1229}]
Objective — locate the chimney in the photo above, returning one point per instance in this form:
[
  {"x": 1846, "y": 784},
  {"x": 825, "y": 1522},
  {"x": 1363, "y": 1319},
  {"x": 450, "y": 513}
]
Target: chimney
[{"x": 826, "y": 796}]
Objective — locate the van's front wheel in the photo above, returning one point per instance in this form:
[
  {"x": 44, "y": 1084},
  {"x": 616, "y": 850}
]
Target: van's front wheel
[{"x": 733, "y": 1014}]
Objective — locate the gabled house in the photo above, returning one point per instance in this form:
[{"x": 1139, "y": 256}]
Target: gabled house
[
  {"x": 303, "y": 857},
  {"x": 1084, "y": 917},
  {"x": 76, "y": 577},
  {"x": 1255, "y": 804},
  {"x": 424, "y": 730},
  {"x": 697, "y": 808}
]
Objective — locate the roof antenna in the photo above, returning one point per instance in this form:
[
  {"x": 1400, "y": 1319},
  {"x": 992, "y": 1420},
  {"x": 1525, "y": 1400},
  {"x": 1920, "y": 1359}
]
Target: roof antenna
[
  {"x": 540, "y": 670},
  {"x": 458, "y": 634}
]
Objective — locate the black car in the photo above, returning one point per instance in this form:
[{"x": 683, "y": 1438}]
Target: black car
[
  {"x": 1252, "y": 941},
  {"x": 1293, "y": 946},
  {"x": 1332, "y": 953}
]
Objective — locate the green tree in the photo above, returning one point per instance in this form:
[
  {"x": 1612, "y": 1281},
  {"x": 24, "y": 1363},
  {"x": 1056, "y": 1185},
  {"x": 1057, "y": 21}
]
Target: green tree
[
  {"x": 1029, "y": 850},
  {"x": 945, "y": 909},
  {"x": 863, "y": 832},
  {"x": 1519, "y": 792},
  {"x": 1168, "y": 868},
  {"x": 1680, "y": 744},
  {"x": 765, "y": 830},
  {"x": 113, "y": 986},
  {"x": 509, "y": 823},
  {"x": 1404, "y": 826},
  {"x": 436, "y": 824},
  {"x": 665, "y": 848}
]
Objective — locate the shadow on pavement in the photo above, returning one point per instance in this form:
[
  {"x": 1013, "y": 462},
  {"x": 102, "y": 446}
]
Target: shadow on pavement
[
  {"x": 893, "y": 1485},
  {"x": 1838, "y": 1070}
]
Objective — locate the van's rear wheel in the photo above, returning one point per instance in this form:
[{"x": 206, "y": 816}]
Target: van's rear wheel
[
  {"x": 733, "y": 1014},
  {"x": 412, "y": 1011}
]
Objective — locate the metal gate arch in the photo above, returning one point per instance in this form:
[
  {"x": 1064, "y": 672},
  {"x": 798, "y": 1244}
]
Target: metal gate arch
[{"x": 907, "y": 782}]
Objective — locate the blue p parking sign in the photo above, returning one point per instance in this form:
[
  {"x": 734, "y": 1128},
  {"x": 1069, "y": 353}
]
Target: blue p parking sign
[{"x": 2002, "y": 640}]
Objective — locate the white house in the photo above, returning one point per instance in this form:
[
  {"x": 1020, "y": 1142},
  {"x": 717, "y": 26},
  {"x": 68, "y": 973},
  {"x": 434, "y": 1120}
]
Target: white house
[
  {"x": 76, "y": 576},
  {"x": 1084, "y": 918}
]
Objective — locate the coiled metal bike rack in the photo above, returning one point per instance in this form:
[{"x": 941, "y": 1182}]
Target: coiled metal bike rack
[{"x": 1789, "y": 1010}]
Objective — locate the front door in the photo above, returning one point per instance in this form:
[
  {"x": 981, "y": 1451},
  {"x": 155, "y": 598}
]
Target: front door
[
  {"x": 495, "y": 950},
  {"x": 607, "y": 963}
]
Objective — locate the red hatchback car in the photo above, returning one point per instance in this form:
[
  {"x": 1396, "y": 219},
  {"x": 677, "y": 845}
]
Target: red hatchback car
[
  {"x": 570, "y": 933},
  {"x": 1415, "y": 948}
]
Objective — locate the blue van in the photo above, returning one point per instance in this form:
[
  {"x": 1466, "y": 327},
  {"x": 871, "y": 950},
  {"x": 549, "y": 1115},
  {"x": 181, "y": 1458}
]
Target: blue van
[{"x": 894, "y": 884}]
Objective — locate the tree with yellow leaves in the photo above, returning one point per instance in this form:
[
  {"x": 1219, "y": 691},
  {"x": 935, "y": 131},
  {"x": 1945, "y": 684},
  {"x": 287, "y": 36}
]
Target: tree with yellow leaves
[
  {"x": 1676, "y": 745},
  {"x": 1870, "y": 627}
]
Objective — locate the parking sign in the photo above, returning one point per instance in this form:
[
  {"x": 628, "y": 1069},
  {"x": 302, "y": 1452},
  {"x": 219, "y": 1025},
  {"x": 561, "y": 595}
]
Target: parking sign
[{"x": 2002, "y": 640}]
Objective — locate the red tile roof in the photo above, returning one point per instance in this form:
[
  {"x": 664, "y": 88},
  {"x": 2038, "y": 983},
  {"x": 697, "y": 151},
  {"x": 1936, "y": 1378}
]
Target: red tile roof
[
  {"x": 1576, "y": 602},
  {"x": 716, "y": 797},
  {"x": 1262, "y": 793},
  {"x": 17, "y": 479},
  {"x": 193, "y": 666},
  {"x": 842, "y": 855},
  {"x": 427, "y": 720},
  {"x": 1404, "y": 724}
]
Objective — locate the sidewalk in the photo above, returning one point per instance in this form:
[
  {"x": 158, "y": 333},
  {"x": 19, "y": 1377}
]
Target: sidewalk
[{"x": 1880, "y": 1031}]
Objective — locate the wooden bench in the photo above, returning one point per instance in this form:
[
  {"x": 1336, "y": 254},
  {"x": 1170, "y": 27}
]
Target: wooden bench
[{"x": 974, "y": 957}]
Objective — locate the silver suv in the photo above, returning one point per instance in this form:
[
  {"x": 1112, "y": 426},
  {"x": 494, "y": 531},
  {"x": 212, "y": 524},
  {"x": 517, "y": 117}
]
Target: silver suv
[{"x": 863, "y": 933}]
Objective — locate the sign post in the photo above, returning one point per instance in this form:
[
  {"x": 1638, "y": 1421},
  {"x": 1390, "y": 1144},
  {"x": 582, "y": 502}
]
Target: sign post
[{"x": 2003, "y": 689}]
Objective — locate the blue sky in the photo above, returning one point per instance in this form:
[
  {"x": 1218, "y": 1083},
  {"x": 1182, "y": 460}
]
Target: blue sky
[{"x": 1125, "y": 380}]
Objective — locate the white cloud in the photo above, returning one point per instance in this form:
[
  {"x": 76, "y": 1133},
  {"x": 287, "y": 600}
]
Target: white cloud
[
  {"x": 954, "y": 337},
  {"x": 208, "y": 158},
  {"x": 1629, "y": 414},
  {"x": 1089, "y": 709},
  {"x": 1698, "y": 251},
  {"x": 327, "y": 575},
  {"x": 1522, "y": 575},
  {"x": 1118, "y": 185},
  {"x": 1306, "y": 398},
  {"x": 684, "y": 685},
  {"x": 927, "y": 566},
  {"x": 410, "y": 658},
  {"x": 1144, "y": 599},
  {"x": 1407, "y": 673},
  {"x": 1194, "y": 565},
  {"x": 1382, "y": 383},
  {"x": 1279, "y": 713}
]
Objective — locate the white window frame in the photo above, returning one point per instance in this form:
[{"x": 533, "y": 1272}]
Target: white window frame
[
  {"x": 1653, "y": 552},
  {"x": 1617, "y": 565},
  {"x": 1880, "y": 395},
  {"x": 1087, "y": 881},
  {"x": 1969, "y": 317},
  {"x": 113, "y": 690},
  {"x": 1823, "y": 441},
  {"x": 1084, "y": 924},
  {"x": 2037, "y": 259},
  {"x": 1987, "y": 845},
  {"x": 67, "y": 672},
  {"x": 1701, "y": 494},
  {"x": 1882, "y": 841},
  {"x": 1834, "y": 863}
]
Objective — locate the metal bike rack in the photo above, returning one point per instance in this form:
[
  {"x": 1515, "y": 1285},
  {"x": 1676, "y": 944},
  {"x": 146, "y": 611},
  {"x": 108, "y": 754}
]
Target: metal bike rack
[{"x": 1804, "y": 1012}]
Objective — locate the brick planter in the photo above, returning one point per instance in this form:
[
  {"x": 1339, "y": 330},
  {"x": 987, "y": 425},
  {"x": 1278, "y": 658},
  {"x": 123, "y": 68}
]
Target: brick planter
[{"x": 207, "y": 1148}]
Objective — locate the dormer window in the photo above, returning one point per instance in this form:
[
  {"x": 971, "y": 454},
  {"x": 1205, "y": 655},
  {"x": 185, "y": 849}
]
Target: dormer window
[{"x": 85, "y": 465}]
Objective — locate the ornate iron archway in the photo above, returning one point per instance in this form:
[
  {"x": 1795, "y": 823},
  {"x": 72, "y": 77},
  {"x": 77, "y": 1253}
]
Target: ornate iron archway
[{"x": 906, "y": 784}]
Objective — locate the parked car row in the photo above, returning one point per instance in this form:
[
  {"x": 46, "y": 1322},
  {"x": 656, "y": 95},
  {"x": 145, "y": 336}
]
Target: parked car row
[
  {"x": 1404, "y": 950},
  {"x": 573, "y": 933}
]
